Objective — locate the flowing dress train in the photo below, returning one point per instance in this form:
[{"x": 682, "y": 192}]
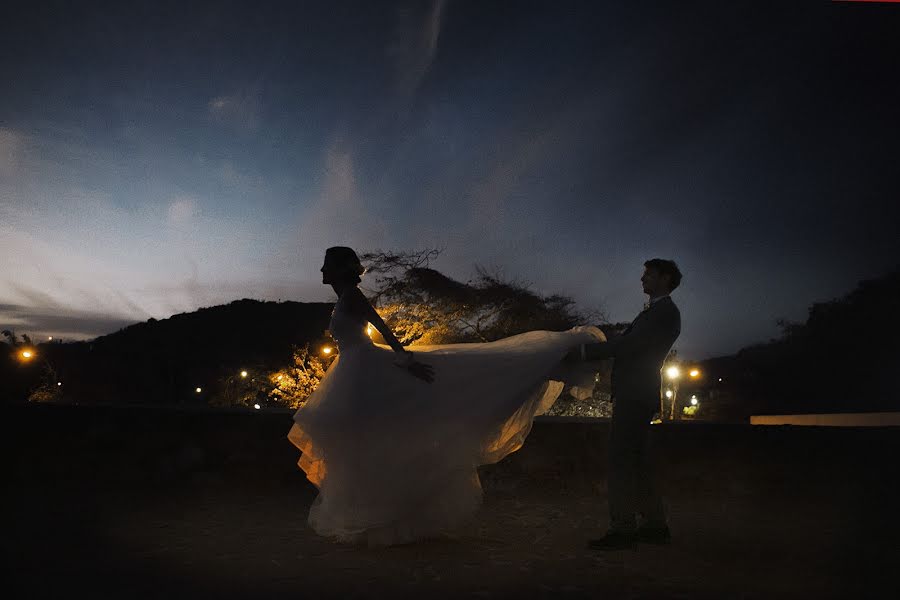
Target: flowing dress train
[{"x": 394, "y": 457}]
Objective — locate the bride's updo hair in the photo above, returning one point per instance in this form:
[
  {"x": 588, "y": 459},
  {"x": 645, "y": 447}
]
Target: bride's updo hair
[{"x": 345, "y": 262}]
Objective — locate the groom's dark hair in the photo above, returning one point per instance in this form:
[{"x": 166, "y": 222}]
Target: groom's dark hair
[{"x": 666, "y": 267}]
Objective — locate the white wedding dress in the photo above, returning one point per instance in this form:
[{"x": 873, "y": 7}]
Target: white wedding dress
[{"x": 395, "y": 457}]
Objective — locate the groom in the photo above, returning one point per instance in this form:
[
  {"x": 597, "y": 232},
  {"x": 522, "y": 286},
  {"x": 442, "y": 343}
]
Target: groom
[{"x": 638, "y": 357}]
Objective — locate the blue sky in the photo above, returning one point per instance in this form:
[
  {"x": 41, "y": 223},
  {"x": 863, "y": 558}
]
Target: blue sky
[{"x": 157, "y": 157}]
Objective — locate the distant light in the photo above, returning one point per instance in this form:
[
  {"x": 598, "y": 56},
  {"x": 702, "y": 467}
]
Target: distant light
[
  {"x": 198, "y": 390},
  {"x": 256, "y": 406},
  {"x": 50, "y": 339},
  {"x": 694, "y": 401},
  {"x": 694, "y": 373},
  {"x": 280, "y": 376},
  {"x": 668, "y": 393},
  {"x": 26, "y": 354},
  {"x": 59, "y": 383},
  {"x": 326, "y": 350},
  {"x": 720, "y": 379},
  {"x": 673, "y": 372},
  {"x": 243, "y": 373}
]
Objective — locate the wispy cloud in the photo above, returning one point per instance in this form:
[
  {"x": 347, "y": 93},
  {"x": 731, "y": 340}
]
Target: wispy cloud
[
  {"x": 336, "y": 211},
  {"x": 339, "y": 213},
  {"x": 183, "y": 211},
  {"x": 37, "y": 272},
  {"x": 240, "y": 110},
  {"x": 61, "y": 323},
  {"x": 415, "y": 43}
]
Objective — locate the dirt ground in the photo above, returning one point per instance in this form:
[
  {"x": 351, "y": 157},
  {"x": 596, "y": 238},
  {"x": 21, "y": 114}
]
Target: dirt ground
[{"x": 153, "y": 503}]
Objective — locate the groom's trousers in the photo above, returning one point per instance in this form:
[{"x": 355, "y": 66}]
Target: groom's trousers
[{"x": 631, "y": 483}]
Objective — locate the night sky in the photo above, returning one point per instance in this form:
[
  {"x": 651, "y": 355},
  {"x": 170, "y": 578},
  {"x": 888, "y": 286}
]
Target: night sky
[{"x": 160, "y": 158}]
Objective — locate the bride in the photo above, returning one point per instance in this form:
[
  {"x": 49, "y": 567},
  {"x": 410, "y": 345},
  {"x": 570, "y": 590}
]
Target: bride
[{"x": 392, "y": 438}]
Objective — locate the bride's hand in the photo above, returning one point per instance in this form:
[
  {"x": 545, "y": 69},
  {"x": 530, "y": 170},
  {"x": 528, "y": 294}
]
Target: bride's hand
[
  {"x": 422, "y": 371},
  {"x": 416, "y": 369}
]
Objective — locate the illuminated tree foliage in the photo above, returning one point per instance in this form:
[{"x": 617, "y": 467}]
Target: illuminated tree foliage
[
  {"x": 49, "y": 389},
  {"x": 292, "y": 385}
]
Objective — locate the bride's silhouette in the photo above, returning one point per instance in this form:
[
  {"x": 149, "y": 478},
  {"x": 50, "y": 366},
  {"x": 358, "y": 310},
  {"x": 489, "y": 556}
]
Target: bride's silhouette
[{"x": 392, "y": 438}]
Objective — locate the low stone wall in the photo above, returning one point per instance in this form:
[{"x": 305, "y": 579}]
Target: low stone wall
[
  {"x": 873, "y": 419},
  {"x": 140, "y": 446}
]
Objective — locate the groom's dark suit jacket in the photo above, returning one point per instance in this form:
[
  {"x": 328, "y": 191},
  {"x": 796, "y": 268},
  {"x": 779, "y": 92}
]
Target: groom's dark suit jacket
[{"x": 640, "y": 351}]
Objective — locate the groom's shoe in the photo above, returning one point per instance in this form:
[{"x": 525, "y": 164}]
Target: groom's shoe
[
  {"x": 653, "y": 534},
  {"x": 614, "y": 540}
]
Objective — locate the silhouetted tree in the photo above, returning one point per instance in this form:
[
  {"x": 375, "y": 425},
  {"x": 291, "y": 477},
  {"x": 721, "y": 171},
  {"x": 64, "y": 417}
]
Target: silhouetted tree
[
  {"x": 422, "y": 305},
  {"x": 842, "y": 358}
]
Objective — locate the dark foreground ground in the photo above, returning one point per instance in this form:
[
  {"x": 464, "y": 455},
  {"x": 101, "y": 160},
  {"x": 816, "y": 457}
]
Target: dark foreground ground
[{"x": 125, "y": 503}]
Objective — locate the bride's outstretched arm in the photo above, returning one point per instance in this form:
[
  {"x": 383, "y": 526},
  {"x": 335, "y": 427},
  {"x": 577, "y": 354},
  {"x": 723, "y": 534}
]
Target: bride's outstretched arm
[
  {"x": 420, "y": 370},
  {"x": 365, "y": 308}
]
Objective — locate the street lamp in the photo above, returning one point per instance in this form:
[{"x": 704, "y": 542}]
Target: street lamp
[
  {"x": 326, "y": 350},
  {"x": 244, "y": 374},
  {"x": 694, "y": 373},
  {"x": 673, "y": 373}
]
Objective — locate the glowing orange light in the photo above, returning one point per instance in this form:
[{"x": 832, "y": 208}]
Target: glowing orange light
[
  {"x": 243, "y": 373},
  {"x": 370, "y": 330},
  {"x": 326, "y": 350},
  {"x": 27, "y": 354},
  {"x": 694, "y": 373}
]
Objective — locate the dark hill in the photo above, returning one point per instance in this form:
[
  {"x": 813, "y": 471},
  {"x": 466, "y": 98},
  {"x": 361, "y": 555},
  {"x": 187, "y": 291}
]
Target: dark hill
[
  {"x": 247, "y": 330},
  {"x": 843, "y": 358},
  {"x": 164, "y": 361}
]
